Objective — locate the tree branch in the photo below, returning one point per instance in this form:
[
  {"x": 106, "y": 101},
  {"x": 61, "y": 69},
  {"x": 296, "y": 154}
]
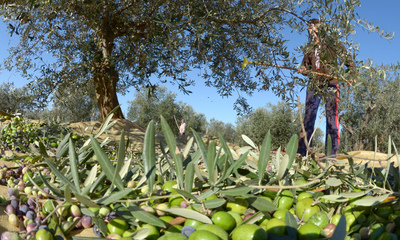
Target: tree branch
[
  {"x": 254, "y": 22},
  {"x": 282, "y": 10},
  {"x": 348, "y": 128}
]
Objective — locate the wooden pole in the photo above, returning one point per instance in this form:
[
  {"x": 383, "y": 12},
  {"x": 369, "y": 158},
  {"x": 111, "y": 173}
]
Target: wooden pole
[
  {"x": 246, "y": 61},
  {"x": 176, "y": 122}
]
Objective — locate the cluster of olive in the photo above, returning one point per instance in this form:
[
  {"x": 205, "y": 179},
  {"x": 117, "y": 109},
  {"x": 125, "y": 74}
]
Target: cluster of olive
[
  {"x": 33, "y": 214},
  {"x": 17, "y": 134}
]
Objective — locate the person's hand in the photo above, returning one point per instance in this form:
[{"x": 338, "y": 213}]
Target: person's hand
[{"x": 302, "y": 70}]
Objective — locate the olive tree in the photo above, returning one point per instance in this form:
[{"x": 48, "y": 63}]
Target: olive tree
[
  {"x": 371, "y": 110},
  {"x": 194, "y": 120},
  {"x": 218, "y": 128},
  {"x": 15, "y": 99},
  {"x": 73, "y": 105},
  {"x": 150, "y": 103},
  {"x": 120, "y": 44},
  {"x": 280, "y": 119}
]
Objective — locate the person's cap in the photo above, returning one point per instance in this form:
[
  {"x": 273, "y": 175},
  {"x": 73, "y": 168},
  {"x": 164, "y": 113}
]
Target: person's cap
[{"x": 313, "y": 21}]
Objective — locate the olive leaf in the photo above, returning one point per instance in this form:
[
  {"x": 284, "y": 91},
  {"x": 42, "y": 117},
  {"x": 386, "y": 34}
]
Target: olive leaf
[
  {"x": 371, "y": 201},
  {"x": 188, "y": 213},
  {"x": 249, "y": 141},
  {"x": 145, "y": 216},
  {"x": 177, "y": 157},
  {"x": 214, "y": 203},
  {"x": 260, "y": 203},
  {"x": 238, "y": 191},
  {"x": 291, "y": 225},
  {"x": 334, "y": 182},
  {"x": 149, "y": 158},
  {"x": 106, "y": 164},
  {"x": 340, "y": 230},
  {"x": 263, "y": 159}
]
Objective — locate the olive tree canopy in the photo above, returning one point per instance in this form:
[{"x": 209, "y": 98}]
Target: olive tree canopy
[
  {"x": 119, "y": 44},
  {"x": 370, "y": 114}
]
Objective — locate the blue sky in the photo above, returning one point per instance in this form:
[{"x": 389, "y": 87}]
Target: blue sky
[{"x": 206, "y": 100}]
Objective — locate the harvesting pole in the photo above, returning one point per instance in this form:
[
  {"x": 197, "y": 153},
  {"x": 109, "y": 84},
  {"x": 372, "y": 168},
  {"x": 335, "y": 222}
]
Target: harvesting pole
[
  {"x": 246, "y": 61},
  {"x": 176, "y": 122}
]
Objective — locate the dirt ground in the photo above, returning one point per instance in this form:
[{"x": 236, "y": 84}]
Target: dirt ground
[
  {"x": 136, "y": 136},
  {"x": 362, "y": 157}
]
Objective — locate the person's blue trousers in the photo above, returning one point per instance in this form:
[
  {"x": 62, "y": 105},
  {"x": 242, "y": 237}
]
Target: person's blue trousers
[{"x": 332, "y": 119}]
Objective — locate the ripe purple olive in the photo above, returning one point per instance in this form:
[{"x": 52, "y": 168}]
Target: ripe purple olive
[
  {"x": 96, "y": 231},
  {"x": 110, "y": 216},
  {"x": 86, "y": 221},
  {"x": 38, "y": 220},
  {"x": 184, "y": 204},
  {"x": 79, "y": 223},
  {"x": 46, "y": 171},
  {"x": 21, "y": 187},
  {"x": 24, "y": 209},
  {"x": 329, "y": 229},
  {"x": 187, "y": 230},
  {"x": 10, "y": 209},
  {"x": 30, "y": 214},
  {"x": 247, "y": 216},
  {"x": 160, "y": 192},
  {"x": 30, "y": 227},
  {"x": 31, "y": 203},
  {"x": 10, "y": 236},
  {"x": 13, "y": 192},
  {"x": 15, "y": 203},
  {"x": 18, "y": 171}
]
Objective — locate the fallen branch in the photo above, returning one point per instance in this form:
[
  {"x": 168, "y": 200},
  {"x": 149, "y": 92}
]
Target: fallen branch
[{"x": 6, "y": 114}]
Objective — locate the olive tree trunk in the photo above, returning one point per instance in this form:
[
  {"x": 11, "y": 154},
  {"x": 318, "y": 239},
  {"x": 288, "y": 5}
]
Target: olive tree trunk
[
  {"x": 106, "y": 95},
  {"x": 105, "y": 76}
]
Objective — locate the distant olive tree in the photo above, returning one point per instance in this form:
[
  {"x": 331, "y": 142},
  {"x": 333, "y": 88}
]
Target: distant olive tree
[
  {"x": 194, "y": 120},
  {"x": 280, "y": 119},
  {"x": 226, "y": 130},
  {"x": 152, "y": 102},
  {"x": 75, "y": 104},
  {"x": 371, "y": 110},
  {"x": 15, "y": 100},
  {"x": 319, "y": 140}
]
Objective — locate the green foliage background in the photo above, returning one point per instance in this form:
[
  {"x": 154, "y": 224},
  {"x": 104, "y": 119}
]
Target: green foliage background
[
  {"x": 150, "y": 103},
  {"x": 371, "y": 110}
]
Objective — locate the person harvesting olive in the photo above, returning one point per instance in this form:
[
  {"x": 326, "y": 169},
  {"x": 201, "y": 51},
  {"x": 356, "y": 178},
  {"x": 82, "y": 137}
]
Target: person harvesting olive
[
  {"x": 182, "y": 128},
  {"x": 323, "y": 55}
]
